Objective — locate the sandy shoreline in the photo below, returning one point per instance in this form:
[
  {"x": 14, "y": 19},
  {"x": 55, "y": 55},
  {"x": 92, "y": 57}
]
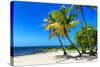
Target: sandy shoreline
[{"x": 51, "y": 57}]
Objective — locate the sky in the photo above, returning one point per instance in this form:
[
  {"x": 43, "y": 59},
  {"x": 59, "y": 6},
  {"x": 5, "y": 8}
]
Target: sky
[{"x": 28, "y": 20}]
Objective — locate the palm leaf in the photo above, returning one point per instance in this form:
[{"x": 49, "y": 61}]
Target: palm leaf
[
  {"x": 77, "y": 7},
  {"x": 53, "y": 25},
  {"x": 57, "y": 16},
  {"x": 73, "y": 23},
  {"x": 63, "y": 10},
  {"x": 72, "y": 16},
  {"x": 54, "y": 33},
  {"x": 50, "y": 36},
  {"x": 70, "y": 9}
]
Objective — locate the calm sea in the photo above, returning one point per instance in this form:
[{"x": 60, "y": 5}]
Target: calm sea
[{"x": 18, "y": 51}]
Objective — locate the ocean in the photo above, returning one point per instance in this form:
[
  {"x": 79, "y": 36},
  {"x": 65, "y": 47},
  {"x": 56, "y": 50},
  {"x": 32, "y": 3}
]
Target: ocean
[{"x": 18, "y": 51}]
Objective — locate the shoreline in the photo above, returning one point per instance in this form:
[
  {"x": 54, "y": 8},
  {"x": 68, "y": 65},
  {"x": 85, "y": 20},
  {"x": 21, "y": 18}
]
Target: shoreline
[
  {"x": 44, "y": 50},
  {"x": 51, "y": 57}
]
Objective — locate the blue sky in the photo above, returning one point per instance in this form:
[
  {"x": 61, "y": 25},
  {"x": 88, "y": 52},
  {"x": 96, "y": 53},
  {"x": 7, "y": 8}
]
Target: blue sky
[{"x": 28, "y": 21}]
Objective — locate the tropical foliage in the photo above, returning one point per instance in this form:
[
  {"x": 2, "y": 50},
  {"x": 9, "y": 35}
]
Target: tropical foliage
[
  {"x": 70, "y": 47},
  {"x": 59, "y": 22},
  {"x": 82, "y": 41},
  {"x": 79, "y": 8}
]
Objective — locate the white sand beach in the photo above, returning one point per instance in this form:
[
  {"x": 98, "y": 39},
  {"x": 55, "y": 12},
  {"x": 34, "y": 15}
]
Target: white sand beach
[{"x": 52, "y": 57}]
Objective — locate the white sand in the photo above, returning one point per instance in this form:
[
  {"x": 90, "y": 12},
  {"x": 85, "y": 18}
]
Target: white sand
[{"x": 51, "y": 57}]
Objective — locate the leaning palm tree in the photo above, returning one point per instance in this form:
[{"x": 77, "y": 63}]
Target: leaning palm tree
[
  {"x": 84, "y": 42},
  {"x": 61, "y": 22},
  {"x": 80, "y": 9},
  {"x": 81, "y": 40},
  {"x": 69, "y": 22},
  {"x": 54, "y": 30}
]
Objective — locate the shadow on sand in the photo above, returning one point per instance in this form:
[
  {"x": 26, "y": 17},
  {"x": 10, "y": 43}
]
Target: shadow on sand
[{"x": 67, "y": 57}]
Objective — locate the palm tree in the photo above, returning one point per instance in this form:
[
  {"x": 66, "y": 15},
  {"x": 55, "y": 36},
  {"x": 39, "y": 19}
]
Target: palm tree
[
  {"x": 79, "y": 8},
  {"x": 54, "y": 29},
  {"x": 82, "y": 34},
  {"x": 69, "y": 22},
  {"x": 61, "y": 23},
  {"x": 81, "y": 40},
  {"x": 65, "y": 53},
  {"x": 93, "y": 39}
]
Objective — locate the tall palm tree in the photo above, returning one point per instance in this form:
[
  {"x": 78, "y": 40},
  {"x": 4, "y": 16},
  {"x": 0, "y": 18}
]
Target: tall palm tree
[
  {"x": 83, "y": 41},
  {"x": 62, "y": 22},
  {"x": 85, "y": 24},
  {"x": 54, "y": 29},
  {"x": 69, "y": 21},
  {"x": 79, "y": 8},
  {"x": 65, "y": 53}
]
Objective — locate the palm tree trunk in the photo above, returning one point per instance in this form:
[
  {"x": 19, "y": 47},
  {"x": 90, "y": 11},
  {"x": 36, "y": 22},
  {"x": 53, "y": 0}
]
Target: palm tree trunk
[
  {"x": 96, "y": 50},
  {"x": 65, "y": 53},
  {"x": 84, "y": 49},
  {"x": 74, "y": 45},
  {"x": 88, "y": 47},
  {"x": 88, "y": 38}
]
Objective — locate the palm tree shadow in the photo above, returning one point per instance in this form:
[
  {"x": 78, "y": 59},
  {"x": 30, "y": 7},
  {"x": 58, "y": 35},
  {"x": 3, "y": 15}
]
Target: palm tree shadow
[
  {"x": 67, "y": 57},
  {"x": 88, "y": 57},
  {"x": 64, "y": 57}
]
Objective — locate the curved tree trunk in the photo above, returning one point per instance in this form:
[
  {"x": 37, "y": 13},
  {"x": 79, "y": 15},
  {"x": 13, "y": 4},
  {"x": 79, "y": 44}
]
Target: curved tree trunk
[
  {"x": 96, "y": 50},
  {"x": 65, "y": 53},
  {"x": 74, "y": 45},
  {"x": 88, "y": 38},
  {"x": 84, "y": 49}
]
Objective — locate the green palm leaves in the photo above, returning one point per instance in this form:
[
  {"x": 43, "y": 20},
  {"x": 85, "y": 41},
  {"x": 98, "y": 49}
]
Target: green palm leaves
[
  {"x": 81, "y": 38},
  {"x": 80, "y": 9},
  {"x": 60, "y": 22}
]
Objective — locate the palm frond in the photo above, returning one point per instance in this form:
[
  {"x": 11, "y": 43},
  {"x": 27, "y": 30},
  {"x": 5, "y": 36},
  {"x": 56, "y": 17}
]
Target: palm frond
[
  {"x": 70, "y": 9},
  {"x": 77, "y": 7},
  {"x": 53, "y": 25},
  {"x": 73, "y": 23}
]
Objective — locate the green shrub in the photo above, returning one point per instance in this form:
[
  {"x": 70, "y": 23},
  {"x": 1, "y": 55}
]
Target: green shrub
[{"x": 71, "y": 47}]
